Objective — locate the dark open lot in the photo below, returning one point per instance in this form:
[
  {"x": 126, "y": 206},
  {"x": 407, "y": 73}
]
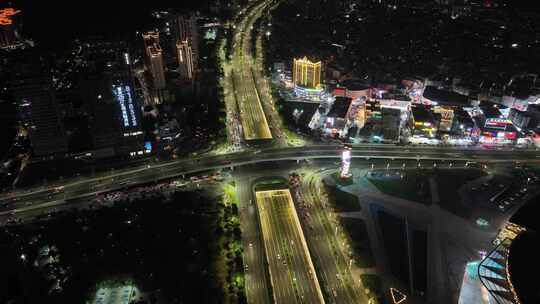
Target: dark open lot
[
  {"x": 356, "y": 230},
  {"x": 168, "y": 249},
  {"x": 413, "y": 185},
  {"x": 341, "y": 200},
  {"x": 395, "y": 244}
]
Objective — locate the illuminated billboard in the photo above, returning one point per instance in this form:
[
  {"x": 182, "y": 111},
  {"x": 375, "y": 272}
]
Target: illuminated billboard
[{"x": 497, "y": 123}]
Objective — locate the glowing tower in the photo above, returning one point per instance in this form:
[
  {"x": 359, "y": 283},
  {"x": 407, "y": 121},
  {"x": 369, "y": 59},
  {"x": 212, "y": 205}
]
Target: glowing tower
[
  {"x": 346, "y": 161},
  {"x": 306, "y": 73}
]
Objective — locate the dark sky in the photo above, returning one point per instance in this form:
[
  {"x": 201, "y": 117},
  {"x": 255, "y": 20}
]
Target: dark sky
[{"x": 50, "y": 22}]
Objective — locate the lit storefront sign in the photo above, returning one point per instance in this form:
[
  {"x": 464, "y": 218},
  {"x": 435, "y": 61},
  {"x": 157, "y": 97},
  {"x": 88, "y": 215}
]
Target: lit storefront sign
[{"x": 498, "y": 123}]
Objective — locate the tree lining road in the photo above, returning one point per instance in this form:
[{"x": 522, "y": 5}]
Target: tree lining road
[{"x": 322, "y": 240}]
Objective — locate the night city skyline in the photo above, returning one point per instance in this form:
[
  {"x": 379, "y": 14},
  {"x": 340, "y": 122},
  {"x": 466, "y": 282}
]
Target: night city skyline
[{"x": 269, "y": 151}]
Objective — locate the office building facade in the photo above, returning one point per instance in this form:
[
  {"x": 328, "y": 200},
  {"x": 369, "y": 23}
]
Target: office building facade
[
  {"x": 154, "y": 56},
  {"x": 186, "y": 66},
  {"x": 38, "y": 111},
  {"x": 113, "y": 105},
  {"x": 188, "y": 34}
]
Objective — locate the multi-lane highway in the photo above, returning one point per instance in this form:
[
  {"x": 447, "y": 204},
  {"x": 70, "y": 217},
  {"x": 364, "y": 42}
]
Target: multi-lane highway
[
  {"x": 31, "y": 201},
  {"x": 291, "y": 270},
  {"x": 254, "y": 123}
]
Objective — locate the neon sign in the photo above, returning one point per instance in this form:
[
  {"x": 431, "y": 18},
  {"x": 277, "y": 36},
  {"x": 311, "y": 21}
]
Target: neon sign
[
  {"x": 6, "y": 14},
  {"x": 125, "y": 101}
]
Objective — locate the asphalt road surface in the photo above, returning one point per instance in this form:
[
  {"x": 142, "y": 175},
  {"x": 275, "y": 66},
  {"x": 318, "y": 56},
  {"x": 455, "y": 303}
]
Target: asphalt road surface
[
  {"x": 333, "y": 264},
  {"x": 254, "y": 123},
  {"x": 291, "y": 270},
  {"x": 257, "y": 290}
]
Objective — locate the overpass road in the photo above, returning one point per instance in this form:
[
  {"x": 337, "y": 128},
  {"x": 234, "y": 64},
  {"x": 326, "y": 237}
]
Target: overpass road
[{"x": 33, "y": 197}]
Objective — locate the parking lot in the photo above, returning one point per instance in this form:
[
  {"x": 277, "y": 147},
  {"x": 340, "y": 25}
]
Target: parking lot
[{"x": 503, "y": 194}]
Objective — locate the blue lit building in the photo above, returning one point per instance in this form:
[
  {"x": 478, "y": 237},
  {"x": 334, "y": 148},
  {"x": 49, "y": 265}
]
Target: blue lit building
[
  {"x": 129, "y": 112},
  {"x": 113, "y": 105}
]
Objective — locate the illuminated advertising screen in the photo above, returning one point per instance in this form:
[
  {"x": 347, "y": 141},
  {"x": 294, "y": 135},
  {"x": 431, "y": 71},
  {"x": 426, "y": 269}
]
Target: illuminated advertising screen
[{"x": 497, "y": 123}]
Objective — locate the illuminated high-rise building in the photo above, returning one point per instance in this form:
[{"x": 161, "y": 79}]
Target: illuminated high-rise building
[
  {"x": 306, "y": 73},
  {"x": 156, "y": 66},
  {"x": 150, "y": 38},
  {"x": 155, "y": 59},
  {"x": 188, "y": 33},
  {"x": 185, "y": 59}
]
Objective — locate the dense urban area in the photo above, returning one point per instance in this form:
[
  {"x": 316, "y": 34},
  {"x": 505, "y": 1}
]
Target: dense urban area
[{"x": 269, "y": 151}]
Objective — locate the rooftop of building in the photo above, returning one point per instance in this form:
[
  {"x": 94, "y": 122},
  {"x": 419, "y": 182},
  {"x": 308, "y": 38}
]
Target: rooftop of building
[
  {"x": 492, "y": 111},
  {"x": 533, "y": 113},
  {"x": 533, "y": 108},
  {"x": 154, "y": 50},
  {"x": 463, "y": 117},
  {"x": 444, "y": 97},
  {"x": 395, "y": 96},
  {"x": 422, "y": 114},
  {"x": 355, "y": 85},
  {"x": 493, "y": 104},
  {"x": 508, "y": 128},
  {"x": 340, "y": 107},
  {"x": 523, "y": 260}
]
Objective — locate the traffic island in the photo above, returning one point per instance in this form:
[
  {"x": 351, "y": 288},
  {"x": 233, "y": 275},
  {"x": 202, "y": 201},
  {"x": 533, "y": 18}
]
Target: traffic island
[
  {"x": 359, "y": 239},
  {"x": 342, "y": 201},
  {"x": 342, "y": 181}
]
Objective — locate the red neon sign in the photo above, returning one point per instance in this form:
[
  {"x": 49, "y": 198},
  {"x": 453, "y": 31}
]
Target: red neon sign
[{"x": 6, "y": 14}]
